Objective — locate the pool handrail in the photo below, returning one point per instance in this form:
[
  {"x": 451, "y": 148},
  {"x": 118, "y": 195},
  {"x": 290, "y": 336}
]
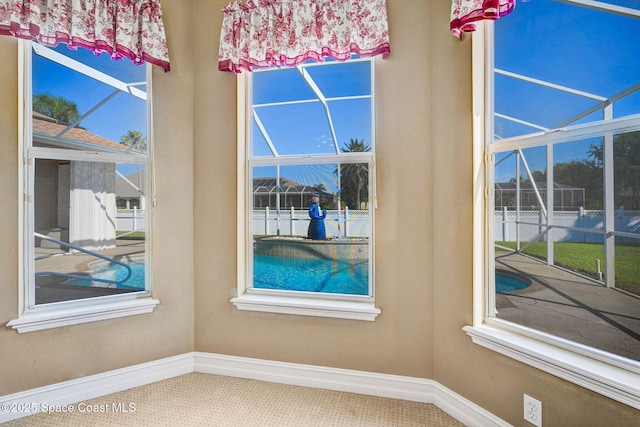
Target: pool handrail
[{"x": 88, "y": 252}]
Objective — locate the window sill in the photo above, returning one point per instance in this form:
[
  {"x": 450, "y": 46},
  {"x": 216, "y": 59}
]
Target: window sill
[
  {"x": 354, "y": 310},
  {"x": 614, "y": 382},
  {"x": 48, "y": 319}
]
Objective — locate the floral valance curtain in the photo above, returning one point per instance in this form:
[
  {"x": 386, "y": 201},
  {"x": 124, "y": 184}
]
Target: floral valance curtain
[
  {"x": 264, "y": 33},
  {"x": 123, "y": 28},
  {"x": 465, "y": 12}
]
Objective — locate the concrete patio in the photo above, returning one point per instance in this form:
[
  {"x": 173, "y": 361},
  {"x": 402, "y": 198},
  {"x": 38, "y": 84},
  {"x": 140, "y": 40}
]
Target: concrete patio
[{"x": 571, "y": 307}]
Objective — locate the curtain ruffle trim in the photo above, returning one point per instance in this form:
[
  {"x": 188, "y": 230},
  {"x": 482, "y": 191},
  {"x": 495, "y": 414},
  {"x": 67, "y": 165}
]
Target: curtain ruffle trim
[
  {"x": 465, "y": 13},
  {"x": 270, "y": 60},
  {"x": 139, "y": 36},
  {"x": 265, "y": 33}
]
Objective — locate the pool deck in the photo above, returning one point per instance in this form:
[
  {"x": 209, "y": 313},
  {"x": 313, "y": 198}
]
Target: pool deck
[
  {"x": 571, "y": 307},
  {"x": 52, "y": 288},
  {"x": 300, "y": 247}
]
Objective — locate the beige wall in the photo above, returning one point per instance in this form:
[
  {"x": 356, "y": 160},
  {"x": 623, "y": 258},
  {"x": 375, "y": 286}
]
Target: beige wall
[
  {"x": 423, "y": 271},
  {"x": 39, "y": 358},
  {"x": 399, "y": 341}
]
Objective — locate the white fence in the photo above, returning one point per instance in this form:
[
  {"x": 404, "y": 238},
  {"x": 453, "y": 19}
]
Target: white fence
[
  {"x": 291, "y": 222},
  {"x": 130, "y": 219},
  {"x": 532, "y": 223},
  {"x": 355, "y": 223}
]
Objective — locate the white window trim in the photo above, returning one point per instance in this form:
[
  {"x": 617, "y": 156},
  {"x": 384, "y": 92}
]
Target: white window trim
[
  {"x": 91, "y": 311},
  {"x": 350, "y": 307},
  {"x": 601, "y": 372},
  {"x": 611, "y": 381},
  {"x": 73, "y": 312},
  {"x": 354, "y": 310}
]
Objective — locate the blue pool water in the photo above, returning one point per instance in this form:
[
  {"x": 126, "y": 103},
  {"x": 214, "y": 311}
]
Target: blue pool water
[
  {"x": 507, "y": 282},
  {"x": 311, "y": 275},
  {"x": 116, "y": 272}
]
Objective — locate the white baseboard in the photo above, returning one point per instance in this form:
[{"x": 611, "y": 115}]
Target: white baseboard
[
  {"x": 368, "y": 383},
  {"x": 28, "y": 402}
]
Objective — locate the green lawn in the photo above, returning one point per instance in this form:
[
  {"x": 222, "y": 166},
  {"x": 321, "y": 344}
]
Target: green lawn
[
  {"x": 580, "y": 257},
  {"x": 136, "y": 235}
]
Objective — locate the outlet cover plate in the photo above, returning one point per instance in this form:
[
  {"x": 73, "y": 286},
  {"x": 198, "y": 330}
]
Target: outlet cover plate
[{"x": 533, "y": 410}]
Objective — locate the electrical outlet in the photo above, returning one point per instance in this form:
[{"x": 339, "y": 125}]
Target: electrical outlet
[{"x": 533, "y": 410}]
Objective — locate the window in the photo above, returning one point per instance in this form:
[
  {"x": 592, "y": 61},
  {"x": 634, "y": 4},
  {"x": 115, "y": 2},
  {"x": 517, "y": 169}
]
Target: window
[
  {"x": 561, "y": 287},
  {"x": 86, "y": 185},
  {"x": 307, "y": 190}
]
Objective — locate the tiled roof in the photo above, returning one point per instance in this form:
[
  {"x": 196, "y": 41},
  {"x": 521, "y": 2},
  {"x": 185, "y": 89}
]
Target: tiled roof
[
  {"x": 124, "y": 189},
  {"x": 51, "y": 127}
]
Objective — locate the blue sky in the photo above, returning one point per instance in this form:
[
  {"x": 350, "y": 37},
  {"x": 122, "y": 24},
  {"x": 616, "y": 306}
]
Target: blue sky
[
  {"x": 119, "y": 115},
  {"x": 303, "y": 128},
  {"x": 294, "y": 129},
  {"x": 114, "y": 119},
  {"x": 585, "y": 49}
]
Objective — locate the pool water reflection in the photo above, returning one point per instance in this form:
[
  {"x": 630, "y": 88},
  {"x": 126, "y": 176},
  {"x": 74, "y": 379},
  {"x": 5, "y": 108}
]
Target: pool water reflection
[{"x": 311, "y": 275}]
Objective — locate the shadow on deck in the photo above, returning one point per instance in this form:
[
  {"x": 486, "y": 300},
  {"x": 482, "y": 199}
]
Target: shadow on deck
[{"x": 571, "y": 307}]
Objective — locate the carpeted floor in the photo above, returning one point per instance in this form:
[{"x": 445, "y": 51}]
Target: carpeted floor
[{"x": 213, "y": 400}]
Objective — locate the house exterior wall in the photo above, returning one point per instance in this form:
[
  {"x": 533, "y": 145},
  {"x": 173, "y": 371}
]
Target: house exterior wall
[
  {"x": 423, "y": 271},
  {"x": 92, "y": 205},
  {"x": 46, "y": 193}
]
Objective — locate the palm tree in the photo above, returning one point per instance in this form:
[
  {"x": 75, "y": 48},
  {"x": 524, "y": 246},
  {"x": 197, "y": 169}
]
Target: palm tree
[
  {"x": 354, "y": 177},
  {"x": 56, "y": 107},
  {"x": 134, "y": 139},
  {"x": 626, "y": 160},
  {"x": 319, "y": 187}
]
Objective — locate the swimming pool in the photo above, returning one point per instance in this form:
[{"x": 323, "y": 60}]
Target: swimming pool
[
  {"x": 311, "y": 275},
  {"x": 115, "y": 272},
  {"x": 507, "y": 281}
]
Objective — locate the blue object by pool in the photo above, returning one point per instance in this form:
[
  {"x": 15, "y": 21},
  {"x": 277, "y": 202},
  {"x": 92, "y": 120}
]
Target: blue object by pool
[
  {"x": 316, "y": 225},
  {"x": 507, "y": 281},
  {"x": 311, "y": 275}
]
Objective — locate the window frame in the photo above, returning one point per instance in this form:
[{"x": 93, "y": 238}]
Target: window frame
[
  {"x": 35, "y": 317},
  {"x": 593, "y": 369},
  {"x": 354, "y": 307}
]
